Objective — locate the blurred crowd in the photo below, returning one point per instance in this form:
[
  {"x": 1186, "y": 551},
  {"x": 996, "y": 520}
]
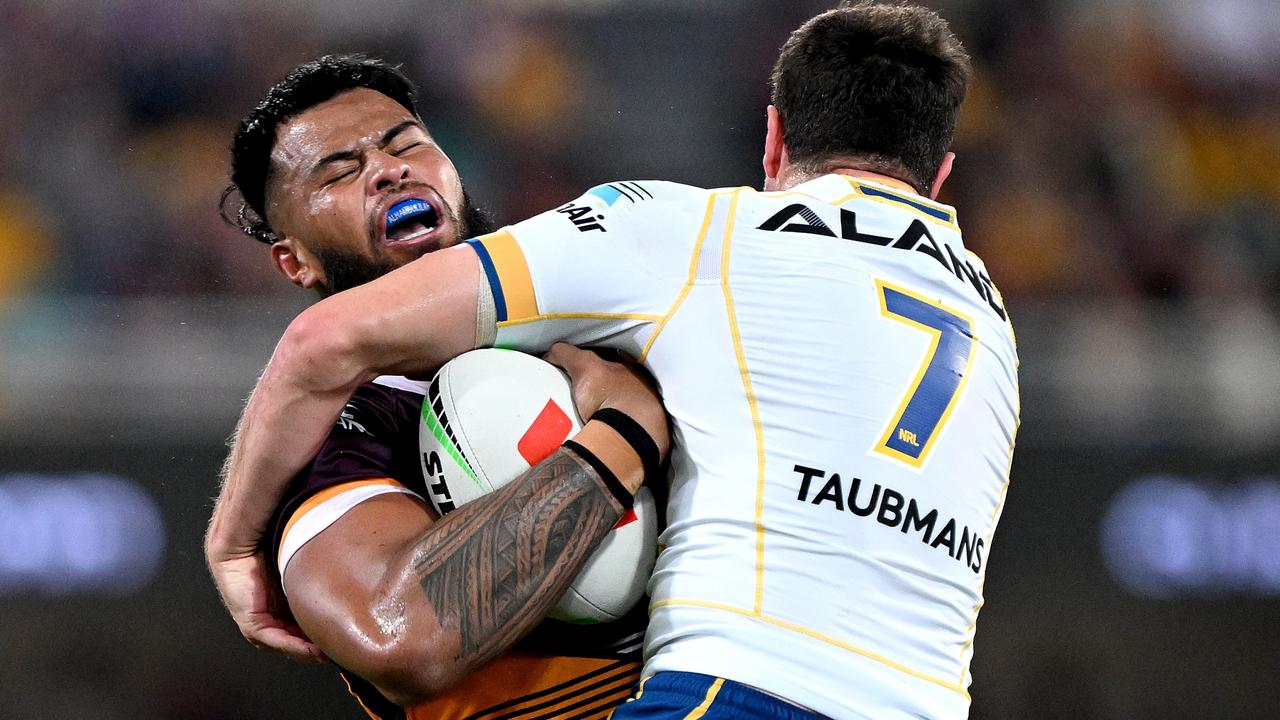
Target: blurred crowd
[{"x": 1108, "y": 149}]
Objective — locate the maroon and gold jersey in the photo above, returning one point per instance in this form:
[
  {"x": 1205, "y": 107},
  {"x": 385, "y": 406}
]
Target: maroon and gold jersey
[{"x": 560, "y": 670}]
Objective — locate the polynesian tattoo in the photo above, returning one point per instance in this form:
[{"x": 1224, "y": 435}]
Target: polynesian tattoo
[{"x": 496, "y": 571}]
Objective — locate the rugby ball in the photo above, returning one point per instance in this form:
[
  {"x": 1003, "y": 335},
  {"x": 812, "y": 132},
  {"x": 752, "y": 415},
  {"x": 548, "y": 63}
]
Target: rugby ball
[{"x": 489, "y": 416}]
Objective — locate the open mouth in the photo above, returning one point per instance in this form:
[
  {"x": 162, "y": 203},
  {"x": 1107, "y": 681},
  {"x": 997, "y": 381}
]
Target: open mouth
[{"x": 410, "y": 220}]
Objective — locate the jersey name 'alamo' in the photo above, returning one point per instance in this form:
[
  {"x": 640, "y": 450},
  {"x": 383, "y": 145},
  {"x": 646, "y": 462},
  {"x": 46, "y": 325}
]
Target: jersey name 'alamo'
[{"x": 842, "y": 377}]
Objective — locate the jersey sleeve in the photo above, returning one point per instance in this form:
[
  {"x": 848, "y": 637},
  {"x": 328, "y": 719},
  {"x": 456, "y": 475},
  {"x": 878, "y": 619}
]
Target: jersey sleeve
[
  {"x": 370, "y": 451},
  {"x": 601, "y": 270}
]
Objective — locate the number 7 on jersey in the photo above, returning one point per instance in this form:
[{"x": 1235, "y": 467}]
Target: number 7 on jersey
[{"x": 928, "y": 403}]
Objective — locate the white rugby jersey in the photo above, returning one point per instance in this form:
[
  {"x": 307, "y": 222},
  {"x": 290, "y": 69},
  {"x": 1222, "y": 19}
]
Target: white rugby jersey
[{"x": 842, "y": 378}]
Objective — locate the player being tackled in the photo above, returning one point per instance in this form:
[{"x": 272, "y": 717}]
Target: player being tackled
[
  {"x": 338, "y": 174},
  {"x": 776, "y": 345}
]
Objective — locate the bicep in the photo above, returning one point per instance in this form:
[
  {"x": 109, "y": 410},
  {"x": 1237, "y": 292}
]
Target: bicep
[{"x": 334, "y": 580}]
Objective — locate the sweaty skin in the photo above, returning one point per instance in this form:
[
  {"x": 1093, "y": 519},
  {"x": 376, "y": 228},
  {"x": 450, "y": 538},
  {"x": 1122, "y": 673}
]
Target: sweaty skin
[
  {"x": 336, "y": 169},
  {"x": 412, "y": 611},
  {"x": 408, "y": 322},
  {"x": 388, "y": 611}
]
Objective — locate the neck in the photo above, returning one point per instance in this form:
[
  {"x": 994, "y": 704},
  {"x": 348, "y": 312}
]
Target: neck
[
  {"x": 790, "y": 180},
  {"x": 876, "y": 177}
]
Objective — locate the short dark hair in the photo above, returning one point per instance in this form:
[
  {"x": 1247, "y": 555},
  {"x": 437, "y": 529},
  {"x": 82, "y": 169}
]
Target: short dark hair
[
  {"x": 306, "y": 86},
  {"x": 878, "y": 83}
]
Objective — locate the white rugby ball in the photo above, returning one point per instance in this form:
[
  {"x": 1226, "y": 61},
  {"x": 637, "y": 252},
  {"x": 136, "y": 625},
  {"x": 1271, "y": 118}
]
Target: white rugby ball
[{"x": 488, "y": 417}]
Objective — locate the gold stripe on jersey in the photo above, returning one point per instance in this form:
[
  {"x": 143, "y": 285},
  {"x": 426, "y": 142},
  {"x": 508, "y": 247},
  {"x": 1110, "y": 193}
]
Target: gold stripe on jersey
[
  {"x": 329, "y": 494},
  {"x": 698, "y": 712},
  {"x": 522, "y": 686},
  {"x": 513, "y": 275},
  {"x": 694, "y": 260},
  {"x": 935, "y": 336},
  {"x": 982, "y": 582},
  {"x": 752, "y": 405},
  {"x": 633, "y": 698},
  {"x": 808, "y": 632},
  {"x": 837, "y": 202},
  {"x": 906, "y": 201},
  {"x": 359, "y": 700},
  {"x": 517, "y": 286}
]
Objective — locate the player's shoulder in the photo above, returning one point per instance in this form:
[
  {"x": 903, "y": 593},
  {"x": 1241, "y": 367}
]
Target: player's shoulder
[
  {"x": 640, "y": 192},
  {"x": 626, "y": 206},
  {"x": 632, "y": 199}
]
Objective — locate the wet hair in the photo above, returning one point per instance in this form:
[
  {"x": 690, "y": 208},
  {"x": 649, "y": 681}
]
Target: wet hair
[
  {"x": 243, "y": 203},
  {"x": 877, "y": 84}
]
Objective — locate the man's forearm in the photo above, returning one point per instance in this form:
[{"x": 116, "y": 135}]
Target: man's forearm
[
  {"x": 409, "y": 321},
  {"x": 475, "y": 582},
  {"x": 531, "y": 543},
  {"x": 263, "y": 460}
]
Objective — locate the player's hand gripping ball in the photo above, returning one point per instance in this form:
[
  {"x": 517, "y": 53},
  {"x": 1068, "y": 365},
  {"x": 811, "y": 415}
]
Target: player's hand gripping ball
[{"x": 489, "y": 416}]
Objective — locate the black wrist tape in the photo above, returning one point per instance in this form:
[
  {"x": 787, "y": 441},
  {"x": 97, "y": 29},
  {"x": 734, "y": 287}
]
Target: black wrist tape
[
  {"x": 611, "y": 481},
  {"x": 636, "y": 436}
]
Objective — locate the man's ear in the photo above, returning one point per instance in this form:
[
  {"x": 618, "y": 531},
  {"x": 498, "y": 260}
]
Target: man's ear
[
  {"x": 775, "y": 152},
  {"x": 944, "y": 171},
  {"x": 296, "y": 263}
]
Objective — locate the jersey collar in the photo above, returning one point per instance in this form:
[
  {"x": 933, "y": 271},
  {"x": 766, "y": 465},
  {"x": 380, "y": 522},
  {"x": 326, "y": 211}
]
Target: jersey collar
[{"x": 835, "y": 189}]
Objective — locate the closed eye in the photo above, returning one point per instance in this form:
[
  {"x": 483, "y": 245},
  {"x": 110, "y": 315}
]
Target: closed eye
[
  {"x": 341, "y": 175},
  {"x": 406, "y": 148}
]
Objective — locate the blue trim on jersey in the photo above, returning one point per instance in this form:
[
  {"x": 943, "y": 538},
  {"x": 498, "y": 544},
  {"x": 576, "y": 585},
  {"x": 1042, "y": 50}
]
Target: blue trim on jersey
[
  {"x": 608, "y": 193},
  {"x": 673, "y": 695},
  {"x": 942, "y": 215},
  {"x": 495, "y": 285}
]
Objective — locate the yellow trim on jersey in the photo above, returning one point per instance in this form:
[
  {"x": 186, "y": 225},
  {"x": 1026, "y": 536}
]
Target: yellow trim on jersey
[
  {"x": 935, "y": 336},
  {"x": 797, "y": 628},
  {"x": 702, "y": 708},
  {"x": 752, "y": 405},
  {"x": 356, "y": 695},
  {"x": 838, "y": 201},
  {"x": 982, "y": 582},
  {"x": 639, "y": 692},
  {"x": 693, "y": 274},
  {"x": 906, "y": 199},
  {"x": 582, "y": 316},
  {"x": 329, "y": 494},
  {"x": 513, "y": 274},
  {"x": 886, "y": 181}
]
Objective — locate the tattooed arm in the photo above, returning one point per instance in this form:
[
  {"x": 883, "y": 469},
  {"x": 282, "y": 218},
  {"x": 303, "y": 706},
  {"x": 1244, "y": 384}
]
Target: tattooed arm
[{"x": 417, "y": 604}]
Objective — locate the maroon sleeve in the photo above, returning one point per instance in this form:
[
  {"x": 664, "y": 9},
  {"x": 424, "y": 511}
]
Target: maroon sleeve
[{"x": 375, "y": 437}]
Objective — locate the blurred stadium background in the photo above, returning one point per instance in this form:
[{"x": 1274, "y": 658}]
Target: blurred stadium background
[{"x": 1119, "y": 171}]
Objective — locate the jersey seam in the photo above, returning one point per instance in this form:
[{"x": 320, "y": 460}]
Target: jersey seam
[
  {"x": 749, "y": 391},
  {"x": 903, "y": 200},
  {"x": 808, "y": 632},
  {"x": 695, "y": 262},
  {"x": 971, "y": 631}
]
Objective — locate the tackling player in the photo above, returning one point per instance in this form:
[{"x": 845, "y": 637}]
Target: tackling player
[
  {"x": 355, "y": 516},
  {"x": 840, "y": 370}
]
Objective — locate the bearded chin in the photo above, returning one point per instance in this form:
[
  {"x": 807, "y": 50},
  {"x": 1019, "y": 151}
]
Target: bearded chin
[
  {"x": 344, "y": 271},
  {"x": 476, "y": 221}
]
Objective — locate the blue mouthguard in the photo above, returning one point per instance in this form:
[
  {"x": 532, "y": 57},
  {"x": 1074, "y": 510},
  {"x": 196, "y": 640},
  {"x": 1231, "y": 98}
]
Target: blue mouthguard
[{"x": 405, "y": 208}]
